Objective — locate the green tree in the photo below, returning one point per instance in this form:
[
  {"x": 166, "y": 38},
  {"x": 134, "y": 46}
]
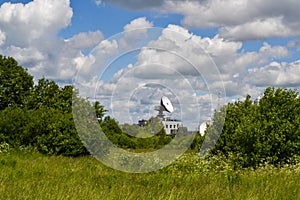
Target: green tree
[
  {"x": 15, "y": 83},
  {"x": 50, "y": 131},
  {"x": 99, "y": 110},
  {"x": 279, "y": 111},
  {"x": 261, "y": 131},
  {"x": 111, "y": 129},
  {"x": 48, "y": 94},
  {"x": 44, "y": 94}
]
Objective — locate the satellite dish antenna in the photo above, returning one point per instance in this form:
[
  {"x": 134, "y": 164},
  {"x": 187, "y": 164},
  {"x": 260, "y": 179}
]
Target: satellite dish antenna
[
  {"x": 165, "y": 105},
  {"x": 202, "y": 128}
]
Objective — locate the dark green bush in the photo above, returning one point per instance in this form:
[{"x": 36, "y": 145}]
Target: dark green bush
[
  {"x": 259, "y": 132},
  {"x": 49, "y": 130}
]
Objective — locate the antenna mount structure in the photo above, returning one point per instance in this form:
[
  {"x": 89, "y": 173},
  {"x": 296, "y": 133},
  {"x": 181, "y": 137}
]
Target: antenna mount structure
[{"x": 165, "y": 105}]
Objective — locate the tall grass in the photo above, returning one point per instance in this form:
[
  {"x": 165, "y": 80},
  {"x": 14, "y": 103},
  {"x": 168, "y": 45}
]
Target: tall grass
[{"x": 30, "y": 175}]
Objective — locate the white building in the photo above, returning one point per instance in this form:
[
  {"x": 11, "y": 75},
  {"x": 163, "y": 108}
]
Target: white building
[{"x": 171, "y": 126}]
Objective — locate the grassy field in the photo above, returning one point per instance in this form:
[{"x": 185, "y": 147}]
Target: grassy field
[{"x": 30, "y": 175}]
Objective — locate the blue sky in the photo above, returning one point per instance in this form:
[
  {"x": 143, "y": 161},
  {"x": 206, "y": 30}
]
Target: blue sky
[{"x": 199, "y": 49}]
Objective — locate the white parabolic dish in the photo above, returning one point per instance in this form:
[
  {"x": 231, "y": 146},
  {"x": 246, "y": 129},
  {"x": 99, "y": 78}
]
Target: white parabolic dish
[
  {"x": 166, "y": 103},
  {"x": 203, "y": 128}
]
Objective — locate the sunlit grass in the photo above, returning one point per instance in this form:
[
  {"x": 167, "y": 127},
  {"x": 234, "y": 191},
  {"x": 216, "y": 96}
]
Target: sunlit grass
[{"x": 34, "y": 176}]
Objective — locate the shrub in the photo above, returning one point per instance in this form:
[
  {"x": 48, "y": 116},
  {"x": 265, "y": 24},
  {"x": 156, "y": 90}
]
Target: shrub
[
  {"x": 264, "y": 131},
  {"x": 51, "y": 131}
]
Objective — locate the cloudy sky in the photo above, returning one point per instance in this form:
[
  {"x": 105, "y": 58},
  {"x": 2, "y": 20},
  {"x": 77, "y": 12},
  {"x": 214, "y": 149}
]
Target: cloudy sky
[{"x": 128, "y": 54}]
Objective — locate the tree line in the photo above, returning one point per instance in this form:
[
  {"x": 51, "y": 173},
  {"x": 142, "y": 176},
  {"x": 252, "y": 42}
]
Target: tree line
[{"x": 39, "y": 115}]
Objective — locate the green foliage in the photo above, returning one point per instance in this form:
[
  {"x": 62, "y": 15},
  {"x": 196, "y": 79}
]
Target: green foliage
[
  {"x": 15, "y": 83},
  {"x": 39, "y": 116},
  {"x": 142, "y": 137},
  {"x": 258, "y": 132},
  {"x": 48, "y": 130},
  {"x": 4, "y": 147},
  {"x": 99, "y": 110},
  {"x": 197, "y": 142},
  {"x": 61, "y": 136},
  {"x": 47, "y": 94}
]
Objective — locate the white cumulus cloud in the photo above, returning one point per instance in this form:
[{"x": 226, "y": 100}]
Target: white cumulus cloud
[
  {"x": 240, "y": 19},
  {"x": 277, "y": 74},
  {"x": 28, "y": 32},
  {"x": 25, "y": 24}
]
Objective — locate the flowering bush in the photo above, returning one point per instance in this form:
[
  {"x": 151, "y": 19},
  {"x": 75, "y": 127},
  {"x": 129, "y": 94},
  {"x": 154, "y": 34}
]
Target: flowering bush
[{"x": 4, "y": 147}]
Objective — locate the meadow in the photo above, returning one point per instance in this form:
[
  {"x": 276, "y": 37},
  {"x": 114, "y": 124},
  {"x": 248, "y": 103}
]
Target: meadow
[{"x": 31, "y": 175}]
